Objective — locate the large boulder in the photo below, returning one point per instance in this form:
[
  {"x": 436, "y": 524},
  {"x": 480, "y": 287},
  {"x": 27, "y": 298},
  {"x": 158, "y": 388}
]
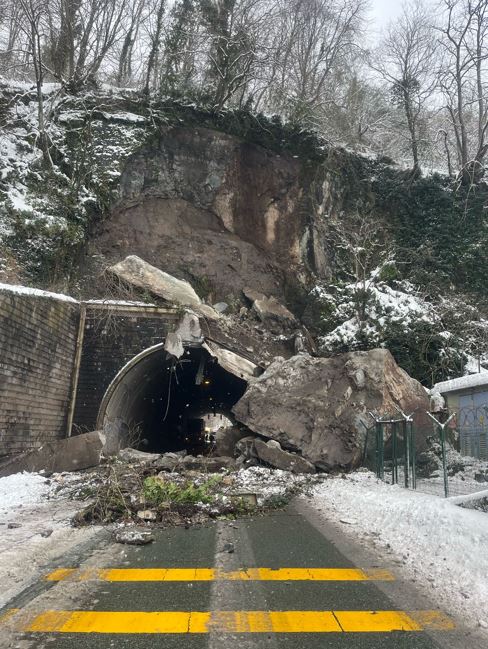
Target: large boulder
[
  {"x": 137, "y": 272},
  {"x": 70, "y": 454},
  {"x": 320, "y": 406}
]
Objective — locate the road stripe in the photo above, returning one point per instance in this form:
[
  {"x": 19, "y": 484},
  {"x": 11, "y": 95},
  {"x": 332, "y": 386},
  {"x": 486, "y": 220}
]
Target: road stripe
[
  {"x": 5, "y": 617},
  {"x": 214, "y": 574},
  {"x": 182, "y": 622}
]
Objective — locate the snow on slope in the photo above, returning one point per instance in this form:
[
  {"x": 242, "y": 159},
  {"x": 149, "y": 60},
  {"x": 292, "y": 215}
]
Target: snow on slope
[
  {"x": 438, "y": 543},
  {"x": 385, "y": 305}
]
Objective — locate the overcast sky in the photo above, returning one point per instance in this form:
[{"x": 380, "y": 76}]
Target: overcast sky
[{"x": 382, "y": 11}]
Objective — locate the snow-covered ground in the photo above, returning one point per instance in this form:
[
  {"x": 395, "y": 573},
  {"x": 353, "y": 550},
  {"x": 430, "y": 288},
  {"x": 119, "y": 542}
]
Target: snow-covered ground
[
  {"x": 437, "y": 543},
  {"x": 40, "y": 529}
]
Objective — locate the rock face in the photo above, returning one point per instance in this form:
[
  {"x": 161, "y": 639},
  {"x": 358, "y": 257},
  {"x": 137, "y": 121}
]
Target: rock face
[
  {"x": 319, "y": 406},
  {"x": 211, "y": 206}
]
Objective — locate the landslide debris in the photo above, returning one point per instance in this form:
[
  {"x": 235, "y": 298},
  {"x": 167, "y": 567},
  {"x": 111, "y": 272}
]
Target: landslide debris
[{"x": 139, "y": 492}]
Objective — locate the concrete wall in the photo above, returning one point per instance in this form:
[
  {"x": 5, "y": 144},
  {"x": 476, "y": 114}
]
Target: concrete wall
[
  {"x": 113, "y": 335},
  {"x": 38, "y": 333}
]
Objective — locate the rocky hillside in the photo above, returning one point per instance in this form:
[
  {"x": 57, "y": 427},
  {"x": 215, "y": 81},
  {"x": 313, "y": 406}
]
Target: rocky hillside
[{"x": 362, "y": 252}]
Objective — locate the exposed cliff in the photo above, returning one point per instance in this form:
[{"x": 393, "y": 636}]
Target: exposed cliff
[{"x": 229, "y": 200}]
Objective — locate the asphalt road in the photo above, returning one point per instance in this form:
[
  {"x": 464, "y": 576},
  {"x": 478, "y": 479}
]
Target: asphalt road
[{"x": 279, "y": 541}]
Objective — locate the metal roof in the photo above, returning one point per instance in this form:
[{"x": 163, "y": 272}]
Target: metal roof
[{"x": 462, "y": 383}]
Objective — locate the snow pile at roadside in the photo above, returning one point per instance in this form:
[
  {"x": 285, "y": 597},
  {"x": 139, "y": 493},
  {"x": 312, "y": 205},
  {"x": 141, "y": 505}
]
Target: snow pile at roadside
[
  {"x": 439, "y": 544},
  {"x": 22, "y": 489},
  {"x": 35, "y": 529}
]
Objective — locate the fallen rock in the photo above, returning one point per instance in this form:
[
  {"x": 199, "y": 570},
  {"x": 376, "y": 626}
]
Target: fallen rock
[
  {"x": 70, "y": 454},
  {"x": 245, "y": 447},
  {"x": 273, "y": 314},
  {"x": 173, "y": 345},
  {"x": 319, "y": 406},
  {"x": 271, "y": 453},
  {"x": 226, "y": 440},
  {"x": 253, "y": 295},
  {"x": 269, "y": 310},
  {"x": 168, "y": 462},
  {"x": 189, "y": 328},
  {"x": 147, "y": 515},
  {"x": 138, "y": 272},
  {"x": 131, "y": 536},
  {"x": 133, "y": 455},
  {"x": 209, "y": 464}
]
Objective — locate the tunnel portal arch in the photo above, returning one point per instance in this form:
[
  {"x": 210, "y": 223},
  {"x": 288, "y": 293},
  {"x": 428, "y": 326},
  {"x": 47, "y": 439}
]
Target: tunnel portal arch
[{"x": 157, "y": 403}]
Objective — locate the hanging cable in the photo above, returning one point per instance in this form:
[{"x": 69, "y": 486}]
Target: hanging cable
[{"x": 169, "y": 392}]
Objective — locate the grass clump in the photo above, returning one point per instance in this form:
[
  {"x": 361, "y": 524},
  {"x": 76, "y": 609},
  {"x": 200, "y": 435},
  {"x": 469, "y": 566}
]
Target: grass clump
[{"x": 157, "y": 490}]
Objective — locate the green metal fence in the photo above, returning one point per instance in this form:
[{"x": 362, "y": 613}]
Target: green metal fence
[{"x": 402, "y": 450}]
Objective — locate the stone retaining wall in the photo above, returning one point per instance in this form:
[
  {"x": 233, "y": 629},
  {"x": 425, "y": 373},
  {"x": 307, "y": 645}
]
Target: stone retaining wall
[{"x": 38, "y": 333}]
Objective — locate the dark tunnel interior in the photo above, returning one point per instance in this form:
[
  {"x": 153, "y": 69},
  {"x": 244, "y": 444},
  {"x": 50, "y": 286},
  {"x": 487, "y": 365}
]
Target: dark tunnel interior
[{"x": 166, "y": 404}]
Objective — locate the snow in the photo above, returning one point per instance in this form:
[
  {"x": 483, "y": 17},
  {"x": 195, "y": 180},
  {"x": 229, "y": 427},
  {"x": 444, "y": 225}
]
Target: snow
[
  {"x": 435, "y": 542},
  {"x": 125, "y": 117},
  {"x": 22, "y": 489},
  {"x": 26, "y": 290},
  {"x": 385, "y": 306},
  {"x": 267, "y": 483},
  {"x": 463, "y": 382},
  {"x": 469, "y": 498},
  {"x": 42, "y": 531},
  {"x": 119, "y": 303}
]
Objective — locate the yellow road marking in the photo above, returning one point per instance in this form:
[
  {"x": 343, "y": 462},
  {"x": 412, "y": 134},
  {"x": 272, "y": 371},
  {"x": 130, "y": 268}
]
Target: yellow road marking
[
  {"x": 433, "y": 620},
  {"x": 274, "y": 622},
  {"x": 375, "y": 621},
  {"x": 5, "y": 617},
  {"x": 210, "y": 574},
  {"x": 181, "y": 622}
]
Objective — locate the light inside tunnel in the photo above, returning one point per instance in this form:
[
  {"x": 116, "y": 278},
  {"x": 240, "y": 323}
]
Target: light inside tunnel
[{"x": 161, "y": 404}]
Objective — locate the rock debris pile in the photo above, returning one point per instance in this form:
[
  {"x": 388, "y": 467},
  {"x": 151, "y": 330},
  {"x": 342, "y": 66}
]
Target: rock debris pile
[{"x": 172, "y": 490}]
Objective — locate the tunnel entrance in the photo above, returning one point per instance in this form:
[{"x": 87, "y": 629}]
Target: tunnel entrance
[{"x": 160, "y": 404}]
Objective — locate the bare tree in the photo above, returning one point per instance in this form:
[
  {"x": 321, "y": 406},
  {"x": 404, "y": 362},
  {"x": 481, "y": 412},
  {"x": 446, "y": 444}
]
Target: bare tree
[
  {"x": 179, "y": 68},
  {"x": 405, "y": 59},
  {"x": 236, "y": 29},
  {"x": 362, "y": 247},
  {"x": 155, "y": 36},
  {"x": 317, "y": 38},
  {"x": 32, "y": 17},
  {"x": 125, "y": 59},
  {"x": 81, "y": 35},
  {"x": 462, "y": 79}
]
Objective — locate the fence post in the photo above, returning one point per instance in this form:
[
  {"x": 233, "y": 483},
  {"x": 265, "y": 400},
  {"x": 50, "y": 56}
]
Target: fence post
[
  {"x": 382, "y": 450},
  {"x": 413, "y": 452},
  {"x": 379, "y": 454},
  {"x": 394, "y": 464},
  {"x": 406, "y": 453},
  {"x": 442, "y": 427},
  {"x": 409, "y": 447}
]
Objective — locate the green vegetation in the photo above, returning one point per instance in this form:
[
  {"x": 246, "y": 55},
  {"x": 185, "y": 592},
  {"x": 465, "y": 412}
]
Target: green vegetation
[{"x": 157, "y": 490}]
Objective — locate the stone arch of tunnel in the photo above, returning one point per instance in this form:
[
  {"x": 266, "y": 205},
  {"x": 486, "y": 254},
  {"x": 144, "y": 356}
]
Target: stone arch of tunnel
[{"x": 158, "y": 404}]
